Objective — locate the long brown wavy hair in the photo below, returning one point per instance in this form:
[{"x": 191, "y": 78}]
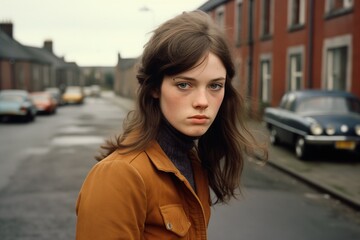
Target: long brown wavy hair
[{"x": 176, "y": 46}]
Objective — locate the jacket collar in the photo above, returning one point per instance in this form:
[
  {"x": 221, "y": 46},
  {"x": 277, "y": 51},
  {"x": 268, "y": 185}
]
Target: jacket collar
[
  {"x": 158, "y": 157},
  {"x": 160, "y": 160}
]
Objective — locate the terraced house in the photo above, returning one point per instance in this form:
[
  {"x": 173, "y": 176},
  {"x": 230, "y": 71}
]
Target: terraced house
[
  {"x": 32, "y": 68},
  {"x": 282, "y": 45}
]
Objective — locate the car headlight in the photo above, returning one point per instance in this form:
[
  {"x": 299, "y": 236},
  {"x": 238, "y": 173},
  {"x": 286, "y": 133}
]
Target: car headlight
[
  {"x": 316, "y": 129},
  {"x": 344, "y": 128},
  {"x": 330, "y": 129},
  {"x": 357, "y": 129}
]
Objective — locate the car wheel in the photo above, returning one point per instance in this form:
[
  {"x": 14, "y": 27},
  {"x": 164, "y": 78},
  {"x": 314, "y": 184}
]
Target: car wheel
[
  {"x": 301, "y": 149},
  {"x": 274, "y": 139},
  {"x": 29, "y": 117}
]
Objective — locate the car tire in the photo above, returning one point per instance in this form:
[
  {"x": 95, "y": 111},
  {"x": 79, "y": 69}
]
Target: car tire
[
  {"x": 274, "y": 139},
  {"x": 301, "y": 149},
  {"x": 29, "y": 117}
]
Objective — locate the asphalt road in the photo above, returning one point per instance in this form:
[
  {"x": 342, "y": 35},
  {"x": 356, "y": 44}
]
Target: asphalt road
[{"x": 43, "y": 164}]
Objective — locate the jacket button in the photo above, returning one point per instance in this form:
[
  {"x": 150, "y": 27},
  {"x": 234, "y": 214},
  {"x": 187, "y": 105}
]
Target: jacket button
[{"x": 168, "y": 226}]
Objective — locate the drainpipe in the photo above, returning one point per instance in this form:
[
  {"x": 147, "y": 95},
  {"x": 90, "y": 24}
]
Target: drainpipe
[
  {"x": 250, "y": 61},
  {"x": 310, "y": 42},
  {"x": 251, "y": 46}
]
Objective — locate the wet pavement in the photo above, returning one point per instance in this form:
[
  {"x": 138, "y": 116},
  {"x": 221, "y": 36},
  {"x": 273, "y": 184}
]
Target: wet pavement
[{"x": 336, "y": 175}]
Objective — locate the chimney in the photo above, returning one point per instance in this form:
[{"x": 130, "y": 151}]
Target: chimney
[
  {"x": 48, "y": 45},
  {"x": 7, "y": 27}
]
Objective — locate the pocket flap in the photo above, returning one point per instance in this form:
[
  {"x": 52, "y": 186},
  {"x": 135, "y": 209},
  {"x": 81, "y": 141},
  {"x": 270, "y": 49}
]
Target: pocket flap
[{"x": 175, "y": 219}]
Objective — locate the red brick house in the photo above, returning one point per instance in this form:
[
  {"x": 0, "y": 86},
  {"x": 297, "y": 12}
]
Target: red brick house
[
  {"x": 32, "y": 68},
  {"x": 282, "y": 45},
  {"x": 19, "y": 69}
]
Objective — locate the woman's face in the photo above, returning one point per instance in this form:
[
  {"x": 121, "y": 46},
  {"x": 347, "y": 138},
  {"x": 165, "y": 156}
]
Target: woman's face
[{"x": 191, "y": 100}]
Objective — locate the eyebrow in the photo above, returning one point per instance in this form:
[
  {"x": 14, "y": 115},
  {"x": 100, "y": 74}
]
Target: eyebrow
[{"x": 194, "y": 79}]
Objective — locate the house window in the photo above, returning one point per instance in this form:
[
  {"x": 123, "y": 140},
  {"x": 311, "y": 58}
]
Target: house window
[
  {"x": 336, "y": 5},
  {"x": 266, "y": 18},
  {"x": 337, "y": 63},
  {"x": 295, "y": 72},
  {"x": 295, "y": 67},
  {"x": 220, "y": 17},
  {"x": 336, "y": 68},
  {"x": 238, "y": 22},
  {"x": 334, "y": 8},
  {"x": 265, "y": 80},
  {"x": 296, "y": 13}
]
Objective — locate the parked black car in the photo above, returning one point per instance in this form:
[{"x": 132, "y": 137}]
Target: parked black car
[
  {"x": 16, "y": 104},
  {"x": 311, "y": 118}
]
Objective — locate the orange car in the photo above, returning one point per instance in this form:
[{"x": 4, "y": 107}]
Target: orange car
[
  {"x": 44, "y": 102},
  {"x": 73, "y": 94}
]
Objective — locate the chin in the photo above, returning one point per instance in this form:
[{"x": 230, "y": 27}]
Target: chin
[{"x": 197, "y": 133}]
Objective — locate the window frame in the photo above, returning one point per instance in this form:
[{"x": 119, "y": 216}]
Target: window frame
[
  {"x": 265, "y": 35},
  {"x": 293, "y": 26},
  {"x": 332, "y": 43},
  {"x": 291, "y": 52},
  {"x": 331, "y": 12},
  {"x": 265, "y": 59},
  {"x": 220, "y": 17}
]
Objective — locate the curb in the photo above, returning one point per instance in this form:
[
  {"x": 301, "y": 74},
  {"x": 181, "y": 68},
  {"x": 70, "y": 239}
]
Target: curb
[{"x": 319, "y": 186}]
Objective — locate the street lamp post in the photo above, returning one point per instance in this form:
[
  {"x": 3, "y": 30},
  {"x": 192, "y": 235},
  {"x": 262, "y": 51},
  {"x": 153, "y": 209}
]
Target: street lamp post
[{"x": 147, "y": 9}]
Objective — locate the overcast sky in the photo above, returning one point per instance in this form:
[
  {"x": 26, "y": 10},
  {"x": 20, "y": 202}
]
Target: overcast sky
[{"x": 90, "y": 32}]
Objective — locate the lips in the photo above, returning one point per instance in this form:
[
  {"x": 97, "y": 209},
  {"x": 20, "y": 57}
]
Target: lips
[{"x": 199, "y": 119}]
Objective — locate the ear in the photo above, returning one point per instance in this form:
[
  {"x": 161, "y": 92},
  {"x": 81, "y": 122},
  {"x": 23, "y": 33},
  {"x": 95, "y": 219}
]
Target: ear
[{"x": 155, "y": 93}]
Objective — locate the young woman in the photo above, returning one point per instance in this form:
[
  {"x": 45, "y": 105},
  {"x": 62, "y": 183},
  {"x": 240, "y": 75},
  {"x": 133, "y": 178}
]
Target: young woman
[{"x": 186, "y": 135}]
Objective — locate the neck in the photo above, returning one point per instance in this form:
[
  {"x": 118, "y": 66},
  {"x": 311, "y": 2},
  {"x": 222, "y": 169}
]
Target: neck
[
  {"x": 177, "y": 146},
  {"x": 170, "y": 135}
]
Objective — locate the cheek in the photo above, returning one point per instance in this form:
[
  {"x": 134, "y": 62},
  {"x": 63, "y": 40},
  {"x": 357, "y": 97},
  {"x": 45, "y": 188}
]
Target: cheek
[
  {"x": 170, "y": 104},
  {"x": 218, "y": 101}
]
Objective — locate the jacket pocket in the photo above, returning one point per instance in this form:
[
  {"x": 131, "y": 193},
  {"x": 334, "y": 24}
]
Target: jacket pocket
[{"x": 175, "y": 219}]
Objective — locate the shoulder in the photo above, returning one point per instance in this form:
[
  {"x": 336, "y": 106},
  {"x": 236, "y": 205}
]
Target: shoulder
[
  {"x": 115, "y": 176},
  {"x": 117, "y": 163},
  {"x": 138, "y": 162}
]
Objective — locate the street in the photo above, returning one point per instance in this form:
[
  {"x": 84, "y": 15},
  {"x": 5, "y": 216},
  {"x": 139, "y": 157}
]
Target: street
[{"x": 43, "y": 164}]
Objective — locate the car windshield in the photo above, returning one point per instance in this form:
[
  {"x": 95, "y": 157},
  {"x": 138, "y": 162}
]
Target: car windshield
[
  {"x": 40, "y": 97},
  {"x": 328, "y": 105},
  {"x": 73, "y": 90},
  {"x": 52, "y": 90},
  {"x": 11, "y": 98}
]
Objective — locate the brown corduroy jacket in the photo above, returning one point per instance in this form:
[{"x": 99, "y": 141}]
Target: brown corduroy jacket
[{"x": 142, "y": 196}]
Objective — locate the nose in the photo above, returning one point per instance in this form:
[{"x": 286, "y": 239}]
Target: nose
[{"x": 200, "y": 99}]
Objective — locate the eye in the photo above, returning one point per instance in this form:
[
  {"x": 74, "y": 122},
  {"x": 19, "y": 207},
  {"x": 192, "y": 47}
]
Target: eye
[
  {"x": 183, "y": 85},
  {"x": 216, "y": 86}
]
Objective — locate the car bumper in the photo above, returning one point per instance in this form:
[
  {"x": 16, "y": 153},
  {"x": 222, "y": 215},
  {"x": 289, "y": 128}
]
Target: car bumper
[
  {"x": 338, "y": 142},
  {"x": 73, "y": 100}
]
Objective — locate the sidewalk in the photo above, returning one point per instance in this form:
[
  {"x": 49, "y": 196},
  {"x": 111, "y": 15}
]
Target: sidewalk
[{"x": 339, "y": 180}]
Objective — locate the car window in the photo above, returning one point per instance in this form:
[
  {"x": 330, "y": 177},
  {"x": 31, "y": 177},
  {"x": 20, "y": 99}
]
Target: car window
[
  {"x": 40, "y": 97},
  {"x": 323, "y": 104},
  {"x": 288, "y": 101},
  {"x": 354, "y": 105},
  {"x": 10, "y": 98},
  {"x": 283, "y": 101},
  {"x": 73, "y": 90}
]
